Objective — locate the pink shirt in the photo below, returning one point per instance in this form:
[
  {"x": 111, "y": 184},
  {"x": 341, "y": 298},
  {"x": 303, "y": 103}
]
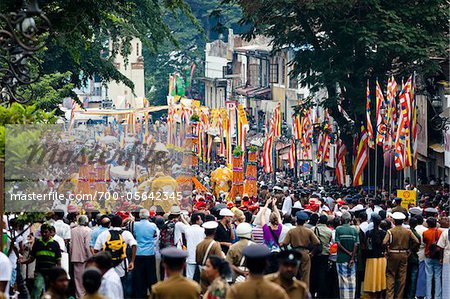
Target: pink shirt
[{"x": 79, "y": 244}]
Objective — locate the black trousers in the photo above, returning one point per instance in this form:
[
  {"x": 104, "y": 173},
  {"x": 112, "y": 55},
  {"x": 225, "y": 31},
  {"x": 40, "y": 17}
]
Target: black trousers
[
  {"x": 144, "y": 275},
  {"x": 319, "y": 284}
]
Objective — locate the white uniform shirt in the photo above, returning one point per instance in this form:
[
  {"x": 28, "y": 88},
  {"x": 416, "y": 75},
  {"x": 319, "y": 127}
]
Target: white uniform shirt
[
  {"x": 6, "y": 271},
  {"x": 287, "y": 206},
  {"x": 194, "y": 235},
  {"x": 127, "y": 238},
  {"x": 111, "y": 286},
  {"x": 444, "y": 243},
  {"x": 420, "y": 229},
  {"x": 62, "y": 229}
]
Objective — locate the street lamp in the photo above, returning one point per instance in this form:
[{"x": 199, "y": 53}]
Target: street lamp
[{"x": 20, "y": 38}]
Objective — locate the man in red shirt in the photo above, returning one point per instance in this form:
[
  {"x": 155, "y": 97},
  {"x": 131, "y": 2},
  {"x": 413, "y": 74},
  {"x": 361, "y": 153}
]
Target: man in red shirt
[{"x": 433, "y": 265}]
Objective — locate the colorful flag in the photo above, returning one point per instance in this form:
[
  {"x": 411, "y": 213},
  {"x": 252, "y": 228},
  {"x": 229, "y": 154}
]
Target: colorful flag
[
  {"x": 369, "y": 122},
  {"x": 381, "y": 109},
  {"x": 402, "y": 156},
  {"x": 297, "y": 126},
  {"x": 414, "y": 123},
  {"x": 291, "y": 155},
  {"x": 268, "y": 154},
  {"x": 340, "y": 164},
  {"x": 275, "y": 122},
  {"x": 361, "y": 158}
]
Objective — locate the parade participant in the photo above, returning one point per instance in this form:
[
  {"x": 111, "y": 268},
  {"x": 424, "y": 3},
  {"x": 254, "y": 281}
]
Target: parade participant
[
  {"x": 399, "y": 241},
  {"x": 398, "y": 206},
  {"x": 111, "y": 285},
  {"x": 225, "y": 232},
  {"x": 147, "y": 235},
  {"x": 204, "y": 249},
  {"x": 305, "y": 241},
  {"x": 92, "y": 280},
  {"x": 194, "y": 234},
  {"x": 413, "y": 262},
  {"x": 272, "y": 232},
  {"x": 375, "y": 271},
  {"x": 62, "y": 229},
  {"x": 80, "y": 251},
  {"x": 287, "y": 203},
  {"x": 421, "y": 286},
  {"x": 47, "y": 254},
  {"x": 5, "y": 274},
  {"x": 319, "y": 262},
  {"x": 235, "y": 255},
  {"x": 433, "y": 259},
  {"x": 217, "y": 271},
  {"x": 175, "y": 286},
  {"x": 444, "y": 243},
  {"x": 104, "y": 223},
  {"x": 289, "y": 263},
  {"x": 257, "y": 230},
  {"x": 58, "y": 284},
  {"x": 221, "y": 179},
  {"x": 109, "y": 240},
  {"x": 256, "y": 286},
  {"x": 347, "y": 240}
]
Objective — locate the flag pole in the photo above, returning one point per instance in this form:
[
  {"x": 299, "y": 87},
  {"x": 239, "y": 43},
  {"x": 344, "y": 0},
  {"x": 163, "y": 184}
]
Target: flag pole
[
  {"x": 368, "y": 170},
  {"x": 376, "y": 160}
]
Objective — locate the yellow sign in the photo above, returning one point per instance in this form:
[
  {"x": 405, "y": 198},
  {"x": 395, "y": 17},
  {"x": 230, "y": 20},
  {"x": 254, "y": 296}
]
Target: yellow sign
[{"x": 408, "y": 197}]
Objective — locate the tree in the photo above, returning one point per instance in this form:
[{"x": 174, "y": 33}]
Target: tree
[
  {"x": 339, "y": 44},
  {"x": 82, "y": 32}
]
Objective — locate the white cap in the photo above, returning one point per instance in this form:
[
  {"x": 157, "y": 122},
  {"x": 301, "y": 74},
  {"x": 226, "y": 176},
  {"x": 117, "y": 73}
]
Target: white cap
[
  {"x": 244, "y": 230},
  {"x": 226, "y": 212},
  {"x": 210, "y": 225},
  {"x": 278, "y": 188},
  {"x": 398, "y": 216}
]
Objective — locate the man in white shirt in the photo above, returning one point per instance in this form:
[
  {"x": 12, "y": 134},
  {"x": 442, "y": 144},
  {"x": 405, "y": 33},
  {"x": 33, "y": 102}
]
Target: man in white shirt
[
  {"x": 116, "y": 223},
  {"x": 194, "y": 234},
  {"x": 287, "y": 204},
  {"x": 5, "y": 274},
  {"x": 421, "y": 276},
  {"x": 111, "y": 286},
  {"x": 62, "y": 229},
  {"x": 372, "y": 208}
]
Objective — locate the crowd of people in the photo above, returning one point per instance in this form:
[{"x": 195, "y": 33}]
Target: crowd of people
[{"x": 286, "y": 242}]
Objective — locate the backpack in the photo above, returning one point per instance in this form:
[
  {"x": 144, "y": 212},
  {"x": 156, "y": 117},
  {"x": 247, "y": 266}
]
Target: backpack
[
  {"x": 167, "y": 235},
  {"x": 116, "y": 246}
]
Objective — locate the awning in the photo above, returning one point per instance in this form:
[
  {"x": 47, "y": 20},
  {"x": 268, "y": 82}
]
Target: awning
[
  {"x": 437, "y": 147},
  {"x": 244, "y": 91},
  {"x": 260, "y": 92}
]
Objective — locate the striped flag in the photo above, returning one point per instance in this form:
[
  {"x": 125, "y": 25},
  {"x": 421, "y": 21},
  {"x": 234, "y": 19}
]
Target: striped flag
[
  {"x": 402, "y": 156},
  {"x": 297, "y": 127},
  {"x": 381, "y": 127},
  {"x": 275, "y": 122},
  {"x": 340, "y": 164},
  {"x": 414, "y": 123},
  {"x": 268, "y": 154},
  {"x": 361, "y": 158},
  {"x": 369, "y": 122},
  {"x": 291, "y": 155}
]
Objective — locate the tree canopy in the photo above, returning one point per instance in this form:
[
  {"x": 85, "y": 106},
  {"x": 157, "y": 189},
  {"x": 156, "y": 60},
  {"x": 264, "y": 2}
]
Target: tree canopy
[
  {"x": 339, "y": 44},
  {"x": 81, "y": 32}
]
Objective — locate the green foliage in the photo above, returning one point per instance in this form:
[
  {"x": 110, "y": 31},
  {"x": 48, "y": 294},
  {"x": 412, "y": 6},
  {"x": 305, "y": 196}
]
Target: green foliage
[
  {"x": 252, "y": 148},
  {"x": 81, "y": 30},
  {"x": 237, "y": 151},
  {"x": 22, "y": 115},
  {"x": 341, "y": 44},
  {"x": 194, "y": 118}
]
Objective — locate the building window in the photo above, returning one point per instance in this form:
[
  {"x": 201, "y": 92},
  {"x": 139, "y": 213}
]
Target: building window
[
  {"x": 254, "y": 74},
  {"x": 293, "y": 81},
  {"x": 137, "y": 50},
  {"x": 274, "y": 73}
]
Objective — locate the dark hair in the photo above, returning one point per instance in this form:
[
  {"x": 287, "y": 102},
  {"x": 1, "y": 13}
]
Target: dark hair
[
  {"x": 195, "y": 217},
  {"x": 287, "y": 218},
  {"x": 419, "y": 219},
  {"x": 210, "y": 217},
  {"x": 55, "y": 273},
  {"x": 323, "y": 219},
  {"x": 431, "y": 221},
  {"x": 103, "y": 260},
  {"x": 385, "y": 225},
  {"x": 174, "y": 264},
  {"x": 59, "y": 214},
  {"x": 300, "y": 221},
  {"x": 413, "y": 222},
  {"x": 363, "y": 216},
  {"x": 398, "y": 222},
  {"x": 47, "y": 226},
  {"x": 248, "y": 216},
  {"x": 256, "y": 265},
  {"x": 116, "y": 221},
  {"x": 92, "y": 279},
  {"x": 382, "y": 214},
  {"x": 159, "y": 222},
  {"x": 313, "y": 219},
  {"x": 209, "y": 232},
  {"x": 221, "y": 265}
]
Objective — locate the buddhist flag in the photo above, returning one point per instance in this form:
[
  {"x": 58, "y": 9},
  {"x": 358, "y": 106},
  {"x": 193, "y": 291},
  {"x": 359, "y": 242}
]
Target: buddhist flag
[
  {"x": 275, "y": 122},
  {"x": 361, "y": 158},
  {"x": 297, "y": 127},
  {"x": 381, "y": 108},
  {"x": 340, "y": 164},
  {"x": 369, "y": 122},
  {"x": 291, "y": 155},
  {"x": 414, "y": 123},
  {"x": 268, "y": 154}
]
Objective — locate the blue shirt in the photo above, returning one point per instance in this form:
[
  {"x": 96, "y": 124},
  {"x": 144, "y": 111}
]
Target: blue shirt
[
  {"x": 95, "y": 233},
  {"x": 146, "y": 234}
]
